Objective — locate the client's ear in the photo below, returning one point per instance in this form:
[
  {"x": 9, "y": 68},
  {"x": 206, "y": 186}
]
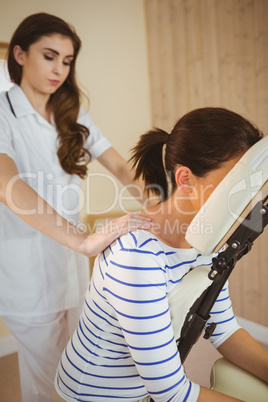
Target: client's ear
[{"x": 183, "y": 177}]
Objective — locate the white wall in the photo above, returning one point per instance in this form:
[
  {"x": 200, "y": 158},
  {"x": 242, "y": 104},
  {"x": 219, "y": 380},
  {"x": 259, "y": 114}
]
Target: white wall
[{"x": 112, "y": 67}]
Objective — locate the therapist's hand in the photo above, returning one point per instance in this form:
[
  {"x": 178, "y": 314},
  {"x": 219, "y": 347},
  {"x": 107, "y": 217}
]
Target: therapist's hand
[{"x": 102, "y": 238}]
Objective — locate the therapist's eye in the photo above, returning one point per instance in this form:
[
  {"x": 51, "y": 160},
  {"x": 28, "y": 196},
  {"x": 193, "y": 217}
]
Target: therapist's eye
[
  {"x": 67, "y": 63},
  {"x": 48, "y": 57}
]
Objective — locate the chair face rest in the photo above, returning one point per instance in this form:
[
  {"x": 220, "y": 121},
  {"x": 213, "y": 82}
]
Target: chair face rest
[{"x": 231, "y": 201}]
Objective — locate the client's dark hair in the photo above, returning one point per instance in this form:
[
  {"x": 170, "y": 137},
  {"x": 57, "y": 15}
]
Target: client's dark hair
[{"x": 201, "y": 140}]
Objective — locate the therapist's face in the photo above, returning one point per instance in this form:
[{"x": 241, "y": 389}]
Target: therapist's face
[{"x": 46, "y": 64}]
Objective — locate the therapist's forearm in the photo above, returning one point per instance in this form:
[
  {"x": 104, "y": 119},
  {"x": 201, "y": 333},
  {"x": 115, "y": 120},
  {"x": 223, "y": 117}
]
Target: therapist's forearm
[
  {"x": 21, "y": 199},
  {"x": 34, "y": 210}
]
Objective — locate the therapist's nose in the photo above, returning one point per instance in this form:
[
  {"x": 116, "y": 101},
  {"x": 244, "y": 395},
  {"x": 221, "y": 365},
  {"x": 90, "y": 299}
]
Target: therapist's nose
[{"x": 58, "y": 67}]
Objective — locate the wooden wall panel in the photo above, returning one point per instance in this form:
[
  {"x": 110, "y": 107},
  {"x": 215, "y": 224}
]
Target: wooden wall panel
[
  {"x": 210, "y": 59},
  {"x": 245, "y": 57},
  {"x": 214, "y": 53},
  {"x": 261, "y": 60},
  {"x": 227, "y": 52}
]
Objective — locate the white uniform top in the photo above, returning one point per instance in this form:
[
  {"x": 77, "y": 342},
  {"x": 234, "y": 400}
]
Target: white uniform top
[{"x": 38, "y": 275}]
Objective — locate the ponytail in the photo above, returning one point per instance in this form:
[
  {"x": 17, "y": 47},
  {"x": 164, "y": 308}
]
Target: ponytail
[
  {"x": 202, "y": 140},
  {"x": 147, "y": 159}
]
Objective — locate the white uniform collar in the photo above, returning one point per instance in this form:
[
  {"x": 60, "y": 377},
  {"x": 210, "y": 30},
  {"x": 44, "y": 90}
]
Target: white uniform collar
[
  {"x": 22, "y": 106},
  {"x": 20, "y": 102}
]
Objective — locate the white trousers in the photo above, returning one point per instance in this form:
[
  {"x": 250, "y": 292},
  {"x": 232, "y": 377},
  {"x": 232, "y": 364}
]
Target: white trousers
[{"x": 41, "y": 341}]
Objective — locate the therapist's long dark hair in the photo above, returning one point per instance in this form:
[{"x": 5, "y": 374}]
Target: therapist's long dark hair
[
  {"x": 65, "y": 102},
  {"x": 202, "y": 140}
]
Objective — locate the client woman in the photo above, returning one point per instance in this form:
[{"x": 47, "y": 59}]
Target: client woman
[{"x": 124, "y": 347}]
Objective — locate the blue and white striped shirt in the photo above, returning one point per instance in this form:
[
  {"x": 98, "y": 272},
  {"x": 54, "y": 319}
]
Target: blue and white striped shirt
[{"x": 124, "y": 346}]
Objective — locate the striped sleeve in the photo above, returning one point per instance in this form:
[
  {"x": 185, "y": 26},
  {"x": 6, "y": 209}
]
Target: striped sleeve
[
  {"x": 135, "y": 287},
  {"x": 222, "y": 314}
]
